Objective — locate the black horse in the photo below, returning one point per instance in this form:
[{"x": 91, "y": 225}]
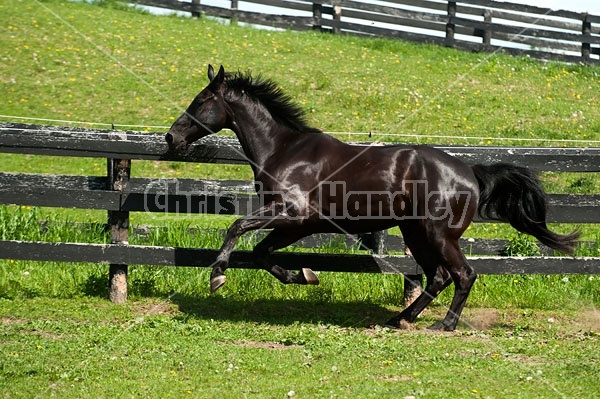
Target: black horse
[{"x": 310, "y": 182}]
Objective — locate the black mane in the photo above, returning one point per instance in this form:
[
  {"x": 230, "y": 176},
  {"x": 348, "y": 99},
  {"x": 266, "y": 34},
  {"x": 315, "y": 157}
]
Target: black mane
[{"x": 281, "y": 106}]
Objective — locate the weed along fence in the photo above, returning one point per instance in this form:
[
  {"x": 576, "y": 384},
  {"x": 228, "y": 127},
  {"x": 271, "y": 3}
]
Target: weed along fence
[
  {"x": 474, "y": 25},
  {"x": 119, "y": 193}
]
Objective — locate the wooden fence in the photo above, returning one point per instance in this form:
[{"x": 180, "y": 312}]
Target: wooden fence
[
  {"x": 474, "y": 25},
  {"x": 119, "y": 194}
]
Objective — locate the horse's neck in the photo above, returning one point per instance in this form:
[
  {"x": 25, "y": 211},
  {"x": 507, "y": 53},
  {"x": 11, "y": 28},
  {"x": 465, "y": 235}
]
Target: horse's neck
[{"x": 259, "y": 134}]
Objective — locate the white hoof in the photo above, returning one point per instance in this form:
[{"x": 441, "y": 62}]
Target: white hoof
[
  {"x": 216, "y": 283},
  {"x": 310, "y": 276}
]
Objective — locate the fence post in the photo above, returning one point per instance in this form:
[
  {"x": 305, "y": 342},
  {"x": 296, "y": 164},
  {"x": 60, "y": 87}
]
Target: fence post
[
  {"x": 234, "y": 7},
  {"x": 337, "y": 18},
  {"x": 195, "y": 8},
  {"x": 317, "y": 15},
  {"x": 586, "y": 31},
  {"x": 450, "y": 27},
  {"x": 487, "y": 33},
  {"x": 376, "y": 241},
  {"x": 119, "y": 171},
  {"x": 413, "y": 287}
]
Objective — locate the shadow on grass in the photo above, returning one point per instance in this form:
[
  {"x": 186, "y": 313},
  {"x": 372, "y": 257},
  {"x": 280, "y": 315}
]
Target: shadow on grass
[
  {"x": 96, "y": 286},
  {"x": 283, "y": 311},
  {"x": 235, "y": 308}
]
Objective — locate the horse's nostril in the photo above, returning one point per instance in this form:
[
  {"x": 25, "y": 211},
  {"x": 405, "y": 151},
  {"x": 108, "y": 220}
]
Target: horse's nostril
[{"x": 169, "y": 138}]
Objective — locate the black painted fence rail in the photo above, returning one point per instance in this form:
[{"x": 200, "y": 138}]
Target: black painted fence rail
[
  {"x": 119, "y": 194},
  {"x": 79, "y": 142},
  {"x": 354, "y": 263}
]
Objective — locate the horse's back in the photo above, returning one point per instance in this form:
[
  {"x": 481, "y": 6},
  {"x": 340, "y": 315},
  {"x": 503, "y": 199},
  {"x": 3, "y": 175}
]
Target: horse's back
[{"x": 438, "y": 163}]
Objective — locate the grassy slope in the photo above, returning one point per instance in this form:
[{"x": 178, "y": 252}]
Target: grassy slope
[
  {"x": 318, "y": 346},
  {"x": 136, "y": 69}
]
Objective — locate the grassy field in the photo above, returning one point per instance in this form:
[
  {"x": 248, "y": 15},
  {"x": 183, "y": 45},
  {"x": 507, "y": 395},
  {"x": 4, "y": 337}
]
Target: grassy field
[
  {"x": 522, "y": 336},
  {"x": 224, "y": 348}
]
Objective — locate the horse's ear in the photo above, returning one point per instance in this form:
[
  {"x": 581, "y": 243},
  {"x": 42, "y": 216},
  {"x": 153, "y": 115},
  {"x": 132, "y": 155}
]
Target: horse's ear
[
  {"x": 220, "y": 75},
  {"x": 215, "y": 81}
]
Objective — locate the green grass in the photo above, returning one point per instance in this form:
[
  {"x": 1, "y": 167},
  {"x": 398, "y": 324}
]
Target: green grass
[
  {"x": 256, "y": 338},
  {"x": 222, "y": 348}
]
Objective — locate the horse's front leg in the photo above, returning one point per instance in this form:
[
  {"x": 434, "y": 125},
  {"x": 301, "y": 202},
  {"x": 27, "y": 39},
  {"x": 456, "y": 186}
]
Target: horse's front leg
[{"x": 265, "y": 217}]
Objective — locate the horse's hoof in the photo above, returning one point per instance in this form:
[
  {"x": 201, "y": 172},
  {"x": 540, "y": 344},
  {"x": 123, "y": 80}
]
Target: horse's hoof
[
  {"x": 397, "y": 324},
  {"x": 310, "y": 277},
  {"x": 404, "y": 325},
  {"x": 216, "y": 283},
  {"x": 439, "y": 326}
]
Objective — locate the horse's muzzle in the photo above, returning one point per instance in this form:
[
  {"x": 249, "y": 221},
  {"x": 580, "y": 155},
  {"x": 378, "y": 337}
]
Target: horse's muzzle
[{"x": 176, "y": 145}]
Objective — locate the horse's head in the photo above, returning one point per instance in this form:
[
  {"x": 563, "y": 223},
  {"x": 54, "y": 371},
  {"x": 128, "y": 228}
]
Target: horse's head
[{"x": 206, "y": 114}]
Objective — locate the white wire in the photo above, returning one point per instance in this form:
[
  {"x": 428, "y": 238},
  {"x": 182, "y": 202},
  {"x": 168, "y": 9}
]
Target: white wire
[
  {"x": 434, "y": 136},
  {"x": 79, "y": 122},
  {"x": 416, "y": 135}
]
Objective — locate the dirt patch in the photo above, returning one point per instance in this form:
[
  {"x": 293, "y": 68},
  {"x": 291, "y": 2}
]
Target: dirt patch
[
  {"x": 480, "y": 319},
  {"x": 529, "y": 361},
  {"x": 12, "y": 321},
  {"x": 154, "y": 308},
  {"x": 265, "y": 345},
  {"x": 590, "y": 320},
  {"x": 394, "y": 378},
  {"x": 18, "y": 322},
  {"x": 45, "y": 334},
  {"x": 567, "y": 323}
]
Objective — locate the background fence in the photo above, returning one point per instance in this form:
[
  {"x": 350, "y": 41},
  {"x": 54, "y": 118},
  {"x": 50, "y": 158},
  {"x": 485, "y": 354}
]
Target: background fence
[
  {"x": 474, "y": 25},
  {"x": 119, "y": 194}
]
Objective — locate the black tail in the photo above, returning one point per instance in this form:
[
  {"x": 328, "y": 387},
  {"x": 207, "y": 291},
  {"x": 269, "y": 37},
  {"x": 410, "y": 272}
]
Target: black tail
[{"x": 514, "y": 194}]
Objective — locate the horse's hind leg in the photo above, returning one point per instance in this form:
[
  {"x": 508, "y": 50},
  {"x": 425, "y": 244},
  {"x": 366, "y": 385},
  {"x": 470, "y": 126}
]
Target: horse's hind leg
[
  {"x": 464, "y": 277},
  {"x": 452, "y": 267},
  {"x": 277, "y": 239},
  {"x": 426, "y": 254},
  {"x": 437, "y": 281}
]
